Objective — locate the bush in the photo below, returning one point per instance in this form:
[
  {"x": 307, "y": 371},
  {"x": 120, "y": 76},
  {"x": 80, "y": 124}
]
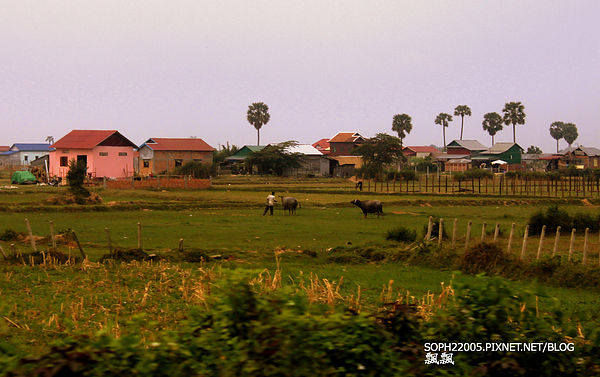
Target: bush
[
  {"x": 401, "y": 234},
  {"x": 484, "y": 257},
  {"x": 9, "y": 235},
  {"x": 553, "y": 217},
  {"x": 478, "y": 173},
  {"x": 75, "y": 178},
  {"x": 407, "y": 175},
  {"x": 196, "y": 169}
]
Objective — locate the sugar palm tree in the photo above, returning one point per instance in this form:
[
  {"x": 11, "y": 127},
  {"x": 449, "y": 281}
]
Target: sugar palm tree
[
  {"x": 557, "y": 131},
  {"x": 570, "y": 133},
  {"x": 442, "y": 119},
  {"x": 461, "y": 111},
  {"x": 492, "y": 123},
  {"x": 402, "y": 124},
  {"x": 258, "y": 115},
  {"x": 514, "y": 113}
]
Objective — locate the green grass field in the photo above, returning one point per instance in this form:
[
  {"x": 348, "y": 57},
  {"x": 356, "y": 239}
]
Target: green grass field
[{"x": 40, "y": 302}]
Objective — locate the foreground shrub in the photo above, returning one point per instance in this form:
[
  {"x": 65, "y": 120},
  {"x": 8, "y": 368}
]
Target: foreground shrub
[
  {"x": 483, "y": 257},
  {"x": 9, "y": 235},
  {"x": 401, "y": 234}
]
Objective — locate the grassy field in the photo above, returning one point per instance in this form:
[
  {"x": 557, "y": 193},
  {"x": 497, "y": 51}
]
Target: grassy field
[{"x": 42, "y": 301}]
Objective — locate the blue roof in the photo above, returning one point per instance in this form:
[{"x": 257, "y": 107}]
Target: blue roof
[{"x": 32, "y": 147}]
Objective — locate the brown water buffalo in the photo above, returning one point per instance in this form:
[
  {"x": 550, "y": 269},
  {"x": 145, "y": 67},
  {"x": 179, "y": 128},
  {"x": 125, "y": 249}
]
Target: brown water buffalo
[{"x": 369, "y": 206}]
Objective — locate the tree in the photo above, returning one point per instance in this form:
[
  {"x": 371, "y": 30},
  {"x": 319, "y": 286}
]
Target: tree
[
  {"x": 514, "y": 113},
  {"x": 442, "y": 119},
  {"x": 461, "y": 111},
  {"x": 50, "y": 139},
  {"x": 492, "y": 123},
  {"x": 224, "y": 151},
  {"x": 76, "y": 178},
  {"x": 402, "y": 124},
  {"x": 570, "y": 133},
  {"x": 258, "y": 116},
  {"x": 275, "y": 158},
  {"x": 557, "y": 131},
  {"x": 379, "y": 151},
  {"x": 534, "y": 150}
]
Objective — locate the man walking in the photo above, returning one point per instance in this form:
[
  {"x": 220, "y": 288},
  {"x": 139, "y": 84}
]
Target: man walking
[{"x": 270, "y": 203}]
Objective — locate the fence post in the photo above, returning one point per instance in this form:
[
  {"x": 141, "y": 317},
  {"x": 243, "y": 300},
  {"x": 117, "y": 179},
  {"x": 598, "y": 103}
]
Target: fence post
[
  {"x": 429, "y": 228},
  {"x": 556, "y": 239},
  {"x": 180, "y": 244},
  {"x": 78, "y": 245},
  {"x": 483, "y": 231},
  {"x": 468, "y": 235},
  {"x": 52, "y": 235},
  {"x": 158, "y": 182},
  {"x": 454, "y": 232},
  {"x": 139, "y": 235},
  {"x": 31, "y": 240},
  {"x": 496, "y": 232},
  {"x": 510, "y": 238},
  {"x": 542, "y": 235},
  {"x": 104, "y": 183},
  {"x": 3, "y": 253},
  {"x": 585, "y": 245},
  {"x": 524, "y": 248},
  {"x": 185, "y": 182},
  {"x": 440, "y": 231},
  {"x": 572, "y": 243},
  {"x": 132, "y": 183}
]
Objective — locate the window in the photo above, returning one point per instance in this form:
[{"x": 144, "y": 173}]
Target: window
[
  {"x": 178, "y": 163},
  {"x": 103, "y": 153},
  {"x": 25, "y": 158},
  {"x": 64, "y": 161},
  {"x": 146, "y": 163},
  {"x": 122, "y": 153}
]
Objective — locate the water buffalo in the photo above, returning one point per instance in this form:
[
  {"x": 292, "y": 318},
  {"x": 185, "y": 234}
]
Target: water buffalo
[
  {"x": 289, "y": 203},
  {"x": 369, "y": 206}
]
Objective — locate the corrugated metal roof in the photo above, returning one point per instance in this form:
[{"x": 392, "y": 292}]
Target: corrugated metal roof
[
  {"x": 472, "y": 145},
  {"x": 423, "y": 149},
  {"x": 590, "y": 151},
  {"x": 88, "y": 139},
  {"x": 499, "y": 148},
  {"x": 305, "y": 149},
  {"x": 31, "y": 147},
  {"x": 178, "y": 144}
]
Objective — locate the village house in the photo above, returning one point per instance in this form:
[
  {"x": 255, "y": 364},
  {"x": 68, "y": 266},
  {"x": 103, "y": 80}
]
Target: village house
[
  {"x": 313, "y": 163},
  {"x": 164, "y": 155},
  {"x": 500, "y": 154},
  {"x": 21, "y": 154},
  {"x": 465, "y": 147},
  {"x": 106, "y": 153},
  {"x": 420, "y": 151},
  {"x": 323, "y": 146},
  {"x": 344, "y": 143},
  {"x": 459, "y": 152},
  {"x": 581, "y": 157}
]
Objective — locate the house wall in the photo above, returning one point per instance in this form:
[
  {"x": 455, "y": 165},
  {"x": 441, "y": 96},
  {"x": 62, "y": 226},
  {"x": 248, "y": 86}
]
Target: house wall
[
  {"x": 161, "y": 162},
  {"x": 312, "y": 165},
  {"x": 512, "y": 156},
  {"x": 457, "y": 150},
  {"x": 25, "y": 157},
  {"x": 112, "y": 165},
  {"x": 457, "y": 167},
  {"x": 342, "y": 149}
]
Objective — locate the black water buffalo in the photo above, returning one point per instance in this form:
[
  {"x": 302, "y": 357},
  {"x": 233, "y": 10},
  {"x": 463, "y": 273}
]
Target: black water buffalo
[
  {"x": 369, "y": 206},
  {"x": 289, "y": 203}
]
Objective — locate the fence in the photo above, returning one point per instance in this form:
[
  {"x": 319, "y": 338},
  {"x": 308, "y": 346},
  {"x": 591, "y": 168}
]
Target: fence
[
  {"x": 498, "y": 185},
  {"x": 157, "y": 183}
]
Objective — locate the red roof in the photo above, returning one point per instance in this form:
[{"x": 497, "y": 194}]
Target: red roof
[
  {"x": 4, "y": 148},
  {"x": 88, "y": 139},
  {"x": 322, "y": 145},
  {"x": 423, "y": 149},
  {"x": 178, "y": 144},
  {"x": 346, "y": 137}
]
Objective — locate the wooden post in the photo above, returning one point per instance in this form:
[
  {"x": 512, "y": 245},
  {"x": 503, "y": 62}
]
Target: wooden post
[
  {"x": 454, "y": 232},
  {"x": 139, "y": 235},
  {"x": 180, "y": 244},
  {"x": 132, "y": 183},
  {"x": 524, "y": 248},
  {"x": 429, "y": 228},
  {"x": 510, "y": 238},
  {"x": 3, "y": 253},
  {"x": 483, "y": 231},
  {"x": 31, "y": 240},
  {"x": 78, "y": 245},
  {"x": 585, "y": 245},
  {"x": 542, "y": 235},
  {"x": 104, "y": 183},
  {"x": 440, "y": 231},
  {"x": 158, "y": 182},
  {"x": 52, "y": 236},
  {"x": 556, "y": 239},
  {"x": 572, "y": 243},
  {"x": 496, "y": 232},
  {"x": 107, "y": 231},
  {"x": 185, "y": 182},
  {"x": 468, "y": 235}
]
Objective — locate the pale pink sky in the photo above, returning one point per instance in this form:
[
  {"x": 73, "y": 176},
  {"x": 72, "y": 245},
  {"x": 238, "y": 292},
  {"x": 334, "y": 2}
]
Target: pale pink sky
[{"x": 182, "y": 68}]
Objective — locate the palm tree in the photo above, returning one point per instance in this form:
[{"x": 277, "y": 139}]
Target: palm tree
[
  {"x": 557, "y": 131},
  {"x": 258, "y": 115},
  {"x": 50, "y": 139},
  {"x": 570, "y": 133},
  {"x": 514, "y": 113},
  {"x": 442, "y": 119},
  {"x": 402, "y": 124},
  {"x": 461, "y": 111},
  {"x": 492, "y": 123}
]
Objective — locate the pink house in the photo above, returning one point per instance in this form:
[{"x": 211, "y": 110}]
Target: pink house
[{"x": 107, "y": 153}]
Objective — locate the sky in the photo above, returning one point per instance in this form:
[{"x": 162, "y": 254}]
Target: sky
[{"x": 191, "y": 68}]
